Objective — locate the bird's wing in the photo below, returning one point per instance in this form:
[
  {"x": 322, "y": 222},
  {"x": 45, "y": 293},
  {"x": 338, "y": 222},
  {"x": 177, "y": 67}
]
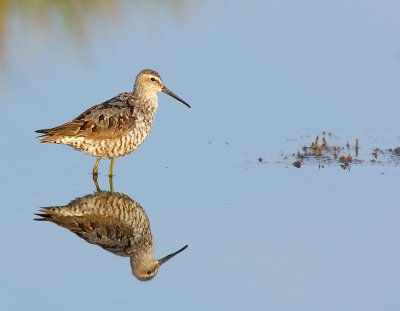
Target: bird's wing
[
  {"x": 104, "y": 121},
  {"x": 105, "y": 231}
]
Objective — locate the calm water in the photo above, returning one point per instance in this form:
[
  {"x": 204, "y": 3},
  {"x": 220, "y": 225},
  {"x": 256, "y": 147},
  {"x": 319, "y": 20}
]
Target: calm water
[{"x": 258, "y": 75}]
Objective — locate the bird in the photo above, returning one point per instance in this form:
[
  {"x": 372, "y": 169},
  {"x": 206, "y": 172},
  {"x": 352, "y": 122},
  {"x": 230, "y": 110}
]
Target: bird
[
  {"x": 115, "y": 222},
  {"x": 115, "y": 127}
]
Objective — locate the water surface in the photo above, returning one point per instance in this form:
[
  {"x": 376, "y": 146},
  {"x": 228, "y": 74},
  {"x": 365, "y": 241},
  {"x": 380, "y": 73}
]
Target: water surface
[{"x": 258, "y": 75}]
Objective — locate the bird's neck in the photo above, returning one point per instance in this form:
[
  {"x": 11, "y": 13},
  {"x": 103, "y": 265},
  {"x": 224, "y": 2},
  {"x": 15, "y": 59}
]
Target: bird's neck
[
  {"x": 146, "y": 102},
  {"x": 141, "y": 255}
]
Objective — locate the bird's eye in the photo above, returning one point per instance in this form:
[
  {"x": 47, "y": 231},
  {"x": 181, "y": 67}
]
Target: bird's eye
[
  {"x": 149, "y": 272},
  {"x": 153, "y": 79}
]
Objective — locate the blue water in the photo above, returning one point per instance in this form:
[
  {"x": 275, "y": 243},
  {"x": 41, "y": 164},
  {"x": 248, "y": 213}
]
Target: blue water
[{"x": 258, "y": 74}]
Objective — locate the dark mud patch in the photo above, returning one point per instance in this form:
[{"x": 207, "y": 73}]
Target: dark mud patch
[{"x": 328, "y": 149}]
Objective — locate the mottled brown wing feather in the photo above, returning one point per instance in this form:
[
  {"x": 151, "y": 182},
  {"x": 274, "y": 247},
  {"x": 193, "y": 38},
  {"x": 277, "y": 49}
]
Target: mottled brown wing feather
[
  {"x": 107, "y": 120},
  {"x": 105, "y": 231}
]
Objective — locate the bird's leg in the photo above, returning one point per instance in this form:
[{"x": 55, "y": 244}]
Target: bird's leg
[
  {"x": 110, "y": 173},
  {"x": 96, "y": 167},
  {"x": 110, "y": 180}
]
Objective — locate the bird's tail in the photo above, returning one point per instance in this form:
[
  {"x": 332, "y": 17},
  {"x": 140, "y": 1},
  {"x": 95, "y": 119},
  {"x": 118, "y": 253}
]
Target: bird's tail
[
  {"x": 47, "y": 213},
  {"x": 43, "y": 131},
  {"x": 46, "y": 136},
  {"x": 43, "y": 217}
]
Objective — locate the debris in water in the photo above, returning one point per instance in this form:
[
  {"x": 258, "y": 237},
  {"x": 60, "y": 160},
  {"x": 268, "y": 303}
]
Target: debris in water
[
  {"x": 345, "y": 159},
  {"x": 356, "y": 147},
  {"x": 297, "y": 163},
  {"x": 323, "y": 154}
]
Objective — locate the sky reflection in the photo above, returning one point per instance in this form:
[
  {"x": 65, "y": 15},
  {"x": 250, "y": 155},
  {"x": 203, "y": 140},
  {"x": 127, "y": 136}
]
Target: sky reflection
[{"x": 263, "y": 79}]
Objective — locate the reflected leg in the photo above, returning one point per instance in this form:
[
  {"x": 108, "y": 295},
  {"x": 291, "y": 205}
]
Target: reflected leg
[
  {"x": 110, "y": 180},
  {"x": 95, "y": 182},
  {"x": 96, "y": 167},
  {"x": 110, "y": 173}
]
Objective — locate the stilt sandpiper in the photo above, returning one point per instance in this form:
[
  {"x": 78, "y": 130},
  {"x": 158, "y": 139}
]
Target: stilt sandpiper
[{"x": 116, "y": 127}]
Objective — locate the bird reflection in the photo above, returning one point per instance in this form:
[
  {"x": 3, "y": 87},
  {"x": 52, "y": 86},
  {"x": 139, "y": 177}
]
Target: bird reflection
[{"x": 116, "y": 223}]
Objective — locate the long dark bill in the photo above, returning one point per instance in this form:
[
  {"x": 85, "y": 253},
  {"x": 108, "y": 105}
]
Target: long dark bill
[
  {"x": 168, "y": 257},
  {"x": 172, "y": 94}
]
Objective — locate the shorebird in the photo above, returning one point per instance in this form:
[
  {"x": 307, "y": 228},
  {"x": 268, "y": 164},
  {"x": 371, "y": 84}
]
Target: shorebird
[
  {"x": 116, "y": 223},
  {"x": 115, "y": 127}
]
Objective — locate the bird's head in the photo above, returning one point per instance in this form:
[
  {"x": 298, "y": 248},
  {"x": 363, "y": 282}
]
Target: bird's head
[
  {"x": 145, "y": 270},
  {"x": 149, "y": 81}
]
